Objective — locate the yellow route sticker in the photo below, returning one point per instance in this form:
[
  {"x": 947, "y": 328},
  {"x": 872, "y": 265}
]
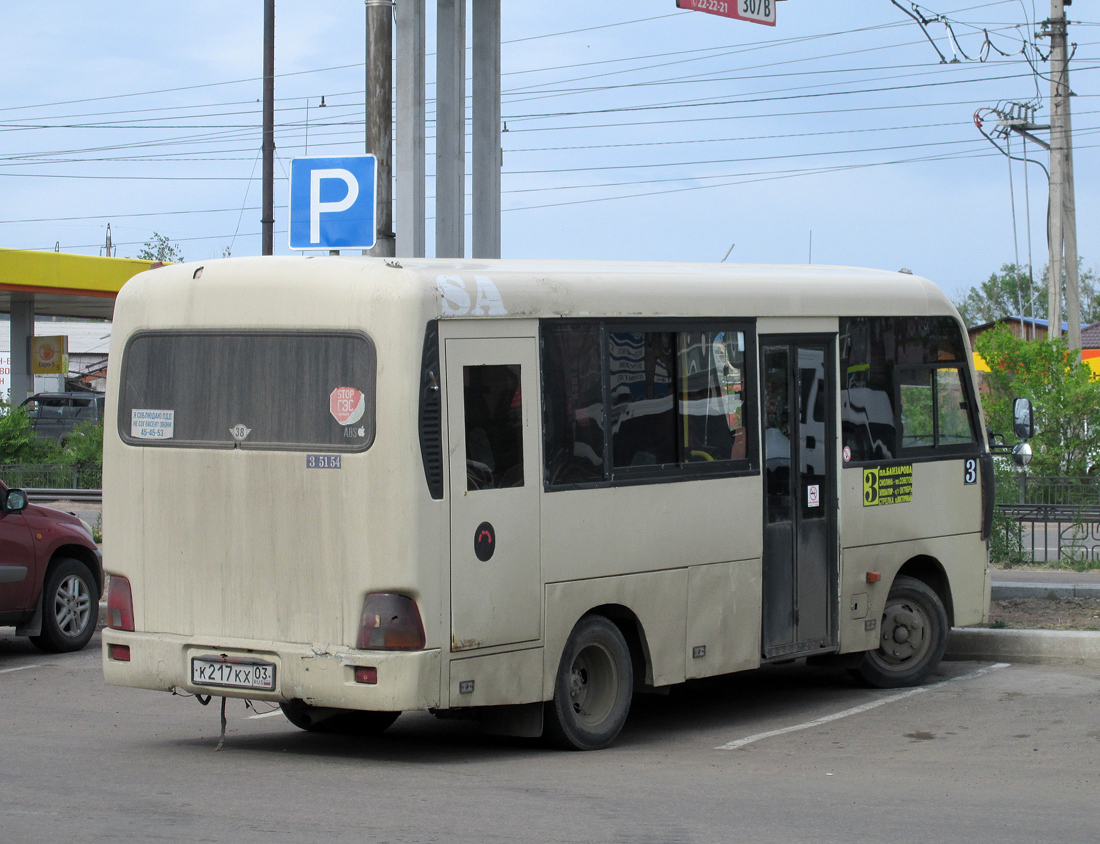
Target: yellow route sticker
[{"x": 888, "y": 485}]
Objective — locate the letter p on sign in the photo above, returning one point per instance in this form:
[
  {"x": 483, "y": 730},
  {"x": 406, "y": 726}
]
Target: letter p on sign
[{"x": 332, "y": 202}]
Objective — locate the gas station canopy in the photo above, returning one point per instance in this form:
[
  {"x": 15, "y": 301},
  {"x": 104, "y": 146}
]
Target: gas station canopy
[
  {"x": 81, "y": 286},
  {"x": 55, "y": 284}
]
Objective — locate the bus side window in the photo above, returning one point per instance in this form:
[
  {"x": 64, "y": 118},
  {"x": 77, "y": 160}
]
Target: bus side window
[
  {"x": 710, "y": 386},
  {"x": 573, "y": 417},
  {"x": 904, "y": 386},
  {"x": 643, "y": 401},
  {"x": 493, "y": 408}
]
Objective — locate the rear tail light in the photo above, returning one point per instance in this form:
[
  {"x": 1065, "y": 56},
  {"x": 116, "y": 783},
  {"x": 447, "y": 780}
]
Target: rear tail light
[
  {"x": 119, "y": 653},
  {"x": 120, "y": 604},
  {"x": 390, "y": 623},
  {"x": 365, "y": 674}
]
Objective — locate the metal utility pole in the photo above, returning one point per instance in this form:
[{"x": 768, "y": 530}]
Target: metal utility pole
[
  {"x": 1062, "y": 227},
  {"x": 380, "y": 117},
  {"x": 267, "y": 219},
  {"x": 450, "y": 129}
]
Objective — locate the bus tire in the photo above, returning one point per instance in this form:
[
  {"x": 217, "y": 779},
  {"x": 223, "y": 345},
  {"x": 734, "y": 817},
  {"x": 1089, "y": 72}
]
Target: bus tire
[
  {"x": 70, "y": 608},
  {"x": 593, "y": 687},
  {"x": 912, "y": 637},
  {"x": 344, "y": 722}
]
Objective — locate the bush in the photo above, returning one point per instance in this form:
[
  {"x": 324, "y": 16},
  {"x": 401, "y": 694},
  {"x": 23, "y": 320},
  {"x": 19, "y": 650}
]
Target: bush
[
  {"x": 18, "y": 444},
  {"x": 1006, "y": 547},
  {"x": 28, "y": 460},
  {"x": 84, "y": 445}
]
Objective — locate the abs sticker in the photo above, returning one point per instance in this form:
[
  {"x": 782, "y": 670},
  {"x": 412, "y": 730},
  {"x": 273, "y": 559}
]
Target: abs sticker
[{"x": 888, "y": 485}]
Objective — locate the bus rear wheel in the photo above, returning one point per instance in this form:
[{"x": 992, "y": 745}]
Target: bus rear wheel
[
  {"x": 344, "y": 722},
  {"x": 912, "y": 638},
  {"x": 593, "y": 687}
]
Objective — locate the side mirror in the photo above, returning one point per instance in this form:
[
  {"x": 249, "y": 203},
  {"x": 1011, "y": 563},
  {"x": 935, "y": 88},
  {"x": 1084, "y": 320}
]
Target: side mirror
[
  {"x": 1023, "y": 419},
  {"x": 17, "y": 501},
  {"x": 1021, "y": 454}
]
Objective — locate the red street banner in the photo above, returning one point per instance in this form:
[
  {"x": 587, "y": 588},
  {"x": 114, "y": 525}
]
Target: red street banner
[{"x": 754, "y": 11}]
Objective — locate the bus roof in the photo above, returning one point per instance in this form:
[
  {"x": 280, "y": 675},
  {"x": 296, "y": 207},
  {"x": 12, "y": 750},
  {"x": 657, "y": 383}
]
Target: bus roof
[
  {"x": 537, "y": 288},
  {"x": 627, "y": 289}
]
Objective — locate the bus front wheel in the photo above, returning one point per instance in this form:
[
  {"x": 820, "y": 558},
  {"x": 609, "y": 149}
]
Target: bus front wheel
[
  {"x": 912, "y": 637},
  {"x": 593, "y": 687},
  {"x": 345, "y": 722}
]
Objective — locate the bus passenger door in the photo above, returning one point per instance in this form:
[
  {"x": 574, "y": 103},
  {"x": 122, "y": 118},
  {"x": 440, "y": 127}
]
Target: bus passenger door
[
  {"x": 800, "y": 574},
  {"x": 493, "y": 421}
]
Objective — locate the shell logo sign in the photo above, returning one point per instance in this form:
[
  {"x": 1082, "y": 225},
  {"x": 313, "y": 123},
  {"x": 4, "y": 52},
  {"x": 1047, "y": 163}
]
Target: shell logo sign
[{"x": 50, "y": 355}]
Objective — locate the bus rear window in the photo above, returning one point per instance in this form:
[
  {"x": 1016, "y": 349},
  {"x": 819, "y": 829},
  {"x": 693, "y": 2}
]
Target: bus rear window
[{"x": 249, "y": 389}]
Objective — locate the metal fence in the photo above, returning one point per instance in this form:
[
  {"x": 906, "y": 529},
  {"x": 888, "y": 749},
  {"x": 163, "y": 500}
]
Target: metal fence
[
  {"x": 1047, "y": 520},
  {"x": 52, "y": 475}
]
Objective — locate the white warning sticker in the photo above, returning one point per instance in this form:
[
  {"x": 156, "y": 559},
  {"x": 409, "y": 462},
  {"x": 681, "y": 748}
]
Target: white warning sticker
[{"x": 152, "y": 424}]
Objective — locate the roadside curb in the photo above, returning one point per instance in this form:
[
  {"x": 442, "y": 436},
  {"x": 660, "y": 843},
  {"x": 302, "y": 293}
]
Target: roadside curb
[
  {"x": 1005, "y": 591},
  {"x": 1046, "y": 647}
]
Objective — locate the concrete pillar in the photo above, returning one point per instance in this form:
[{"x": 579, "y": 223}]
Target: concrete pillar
[
  {"x": 22, "y": 329},
  {"x": 450, "y": 129},
  {"x": 409, "y": 159},
  {"x": 485, "y": 24}
]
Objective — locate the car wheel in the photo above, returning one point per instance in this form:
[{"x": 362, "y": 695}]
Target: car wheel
[
  {"x": 912, "y": 637},
  {"x": 593, "y": 687},
  {"x": 70, "y": 608},
  {"x": 345, "y": 722}
]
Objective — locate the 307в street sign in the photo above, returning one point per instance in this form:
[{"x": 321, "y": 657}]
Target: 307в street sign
[{"x": 756, "y": 11}]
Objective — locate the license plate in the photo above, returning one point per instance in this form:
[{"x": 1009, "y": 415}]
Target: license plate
[{"x": 234, "y": 672}]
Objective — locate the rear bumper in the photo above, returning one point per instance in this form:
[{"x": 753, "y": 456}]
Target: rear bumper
[{"x": 317, "y": 674}]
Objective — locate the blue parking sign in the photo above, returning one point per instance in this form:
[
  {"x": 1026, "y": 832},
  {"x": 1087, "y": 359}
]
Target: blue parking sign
[{"x": 332, "y": 202}]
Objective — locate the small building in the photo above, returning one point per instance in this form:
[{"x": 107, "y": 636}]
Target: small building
[{"x": 1037, "y": 329}]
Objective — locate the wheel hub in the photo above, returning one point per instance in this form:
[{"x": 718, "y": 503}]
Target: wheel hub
[
  {"x": 904, "y": 633},
  {"x": 592, "y": 682},
  {"x": 72, "y": 605}
]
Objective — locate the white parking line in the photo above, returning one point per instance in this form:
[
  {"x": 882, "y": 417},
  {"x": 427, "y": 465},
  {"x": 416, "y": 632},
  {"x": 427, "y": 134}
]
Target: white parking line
[
  {"x": 856, "y": 710},
  {"x": 22, "y": 667}
]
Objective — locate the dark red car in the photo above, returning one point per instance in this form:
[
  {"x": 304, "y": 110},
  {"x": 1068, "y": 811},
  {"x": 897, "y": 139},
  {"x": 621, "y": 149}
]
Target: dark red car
[{"x": 51, "y": 574}]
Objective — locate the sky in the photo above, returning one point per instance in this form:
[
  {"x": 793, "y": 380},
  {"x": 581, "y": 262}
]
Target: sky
[{"x": 635, "y": 131}]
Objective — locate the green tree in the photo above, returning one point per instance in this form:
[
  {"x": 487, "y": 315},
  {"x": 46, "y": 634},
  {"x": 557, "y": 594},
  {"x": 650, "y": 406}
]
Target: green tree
[
  {"x": 1065, "y": 395},
  {"x": 1006, "y": 292},
  {"x": 160, "y": 248},
  {"x": 1001, "y": 295}
]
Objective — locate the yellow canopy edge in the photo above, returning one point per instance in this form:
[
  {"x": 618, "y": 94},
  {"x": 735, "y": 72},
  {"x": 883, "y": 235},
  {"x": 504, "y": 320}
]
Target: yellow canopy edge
[{"x": 63, "y": 271}]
